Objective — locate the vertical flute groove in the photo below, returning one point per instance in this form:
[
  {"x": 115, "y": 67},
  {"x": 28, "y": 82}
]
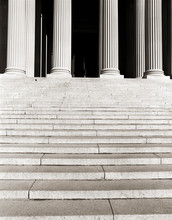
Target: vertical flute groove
[{"x": 140, "y": 38}]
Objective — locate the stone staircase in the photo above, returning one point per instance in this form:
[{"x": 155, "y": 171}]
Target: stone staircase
[{"x": 83, "y": 149}]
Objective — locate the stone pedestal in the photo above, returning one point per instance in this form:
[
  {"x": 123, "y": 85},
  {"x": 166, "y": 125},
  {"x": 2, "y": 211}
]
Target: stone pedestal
[
  {"x": 62, "y": 39},
  {"x": 16, "y": 52},
  {"x": 140, "y": 38},
  {"x": 110, "y": 56}
]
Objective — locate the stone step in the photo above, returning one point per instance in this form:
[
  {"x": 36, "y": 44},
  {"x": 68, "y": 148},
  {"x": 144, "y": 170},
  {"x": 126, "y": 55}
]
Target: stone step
[
  {"x": 124, "y": 189},
  {"x": 87, "y": 210},
  {"x": 83, "y": 113},
  {"x": 57, "y": 148},
  {"x": 134, "y": 148},
  {"x": 50, "y": 100},
  {"x": 15, "y": 189},
  {"x": 105, "y": 159},
  {"x": 88, "y": 133},
  {"x": 88, "y": 121},
  {"x": 85, "y": 140},
  {"x": 120, "y": 95},
  {"x": 85, "y": 190},
  {"x": 89, "y": 104},
  {"x": 137, "y": 172},
  {"x": 85, "y": 172},
  {"x": 75, "y": 110},
  {"x": 85, "y": 148},
  {"x": 20, "y": 159},
  {"x": 53, "y": 210},
  {"x": 141, "y": 209},
  {"x": 84, "y": 127},
  {"x": 81, "y": 140},
  {"x": 110, "y": 104},
  {"x": 52, "y": 173},
  {"x": 133, "y": 121},
  {"x": 31, "y": 126},
  {"x": 85, "y": 159},
  {"x": 56, "y": 133},
  {"x": 88, "y": 117}
]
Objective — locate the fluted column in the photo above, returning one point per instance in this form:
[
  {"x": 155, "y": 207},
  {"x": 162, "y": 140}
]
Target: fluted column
[
  {"x": 30, "y": 37},
  {"x": 110, "y": 54},
  {"x": 154, "y": 65},
  {"x": 62, "y": 39},
  {"x": 140, "y": 38},
  {"x": 16, "y": 38},
  {"x": 100, "y": 35}
]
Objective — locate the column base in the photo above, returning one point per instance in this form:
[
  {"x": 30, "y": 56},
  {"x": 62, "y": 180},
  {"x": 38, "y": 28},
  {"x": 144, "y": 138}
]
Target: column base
[
  {"x": 14, "y": 73},
  {"x": 155, "y": 74},
  {"x": 111, "y": 74},
  {"x": 59, "y": 73}
]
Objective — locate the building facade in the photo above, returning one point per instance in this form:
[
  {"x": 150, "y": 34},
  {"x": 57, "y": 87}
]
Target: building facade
[{"x": 65, "y": 38}]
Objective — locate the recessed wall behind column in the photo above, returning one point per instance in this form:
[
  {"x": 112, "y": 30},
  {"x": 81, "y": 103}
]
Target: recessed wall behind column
[
  {"x": 85, "y": 37},
  {"x": 127, "y": 38},
  {"x": 45, "y": 8},
  {"x": 37, "y": 37},
  {"x": 3, "y": 34},
  {"x": 167, "y": 66}
]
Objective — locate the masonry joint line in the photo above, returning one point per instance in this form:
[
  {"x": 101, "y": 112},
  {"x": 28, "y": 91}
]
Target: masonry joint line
[
  {"x": 41, "y": 159},
  {"x": 111, "y": 209},
  {"x": 98, "y": 146},
  {"x": 104, "y": 172},
  {"x": 31, "y": 189}
]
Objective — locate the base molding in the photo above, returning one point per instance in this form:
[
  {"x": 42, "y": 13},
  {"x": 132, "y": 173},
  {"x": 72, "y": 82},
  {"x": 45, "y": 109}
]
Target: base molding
[
  {"x": 111, "y": 74},
  {"x": 59, "y": 73},
  {"x": 14, "y": 73},
  {"x": 155, "y": 74}
]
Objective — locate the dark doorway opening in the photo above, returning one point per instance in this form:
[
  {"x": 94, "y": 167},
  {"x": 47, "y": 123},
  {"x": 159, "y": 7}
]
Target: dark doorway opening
[
  {"x": 43, "y": 37},
  {"x": 85, "y": 38},
  {"x": 127, "y": 38},
  {"x": 166, "y": 31}
]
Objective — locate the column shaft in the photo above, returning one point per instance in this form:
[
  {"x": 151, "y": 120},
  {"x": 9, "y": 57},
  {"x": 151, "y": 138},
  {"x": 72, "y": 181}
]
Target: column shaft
[
  {"x": 140, "y": 38},
  {"x": 62, "y": 39},
  {"x": 110, "y": 39},
  {"x": 30, "y": 37},
  {"x": 153, "y": 39},
  {"x": 16, "y": 37}
]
